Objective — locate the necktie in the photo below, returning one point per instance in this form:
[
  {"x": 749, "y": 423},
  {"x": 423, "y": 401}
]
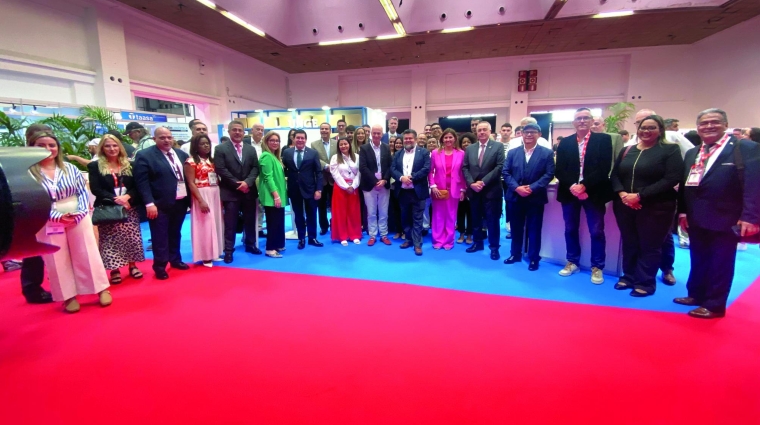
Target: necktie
[
  {"x": 174, "y": 166},
  {"x": 480, "y": 157},
  {"x": 299, "y": 159},
  {"x": 239, "y": 150}
]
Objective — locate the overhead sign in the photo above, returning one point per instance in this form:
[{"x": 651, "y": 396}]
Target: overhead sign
[{"x": 139, "y": 116}]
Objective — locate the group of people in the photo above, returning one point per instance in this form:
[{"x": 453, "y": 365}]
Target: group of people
[{"x": 400, "y": 186}]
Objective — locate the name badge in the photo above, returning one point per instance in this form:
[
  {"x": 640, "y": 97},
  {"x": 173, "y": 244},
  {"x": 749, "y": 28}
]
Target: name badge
[
  {"x": 181, "y": 190},
  {"x": 695, "y": 177},
  {"x": 54, "y": 229},
  {"x": 212, "y": 181},
  {"x": 120, "y": 191}
]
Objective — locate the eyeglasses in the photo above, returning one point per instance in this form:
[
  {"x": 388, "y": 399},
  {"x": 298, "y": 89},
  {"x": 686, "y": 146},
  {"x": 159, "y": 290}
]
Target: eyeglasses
[
  {"x": 530, "y": 133},
  {"x": 709, "y": 123},
  {"x": 649, "y": 128},
  {"x": 582, "y": 119}
]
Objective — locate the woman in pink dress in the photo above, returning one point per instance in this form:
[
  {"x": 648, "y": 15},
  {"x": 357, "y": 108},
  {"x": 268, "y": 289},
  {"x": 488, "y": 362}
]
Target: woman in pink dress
[
  {"x": 206, "y": 209},
  {"x": 447, "y": 188}
]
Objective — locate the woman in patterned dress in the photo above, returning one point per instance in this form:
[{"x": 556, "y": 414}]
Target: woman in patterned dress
[
  {"x": 76, "y": 268},
  {"x": 207, "y": 228},
  {"x": 111, "y": 180}
]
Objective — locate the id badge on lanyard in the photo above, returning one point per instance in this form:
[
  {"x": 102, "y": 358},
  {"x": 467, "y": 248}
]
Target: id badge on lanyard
[
  {"x": 212, "y": 179},
  {"x": 54, "y": 228},
  {"x": 695, "y": 176},
  {"x": 698, "y": 170}
]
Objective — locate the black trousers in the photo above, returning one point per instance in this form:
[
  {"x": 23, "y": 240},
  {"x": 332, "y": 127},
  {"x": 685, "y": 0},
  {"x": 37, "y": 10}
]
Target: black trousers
[
  {"x": 232, "y": 210},
  {"x": 32, "y": 275},
  {"x": 527, "y": 221},
  {"x": 713, "y": 260},
  {"x": 275, "y": 227},
  {"x": 669, "y": 249},
  {"x": 411, "y": 215},
  {"x": 490, "y": 209},
  {"x": 643, "y": 232},
  {"x": 394, "y": 214},
  {"x": 301, "y": 205},
  {"x": 363, "y": 211},
  {"x": 166, "y": 233},
  {"x": 324, "y": 203},
  {"x": 464, "y": 217}
]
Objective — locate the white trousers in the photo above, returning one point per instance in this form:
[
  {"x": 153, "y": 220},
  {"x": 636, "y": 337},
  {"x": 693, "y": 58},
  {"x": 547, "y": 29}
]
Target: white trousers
[{"x": 377, "y": 211}]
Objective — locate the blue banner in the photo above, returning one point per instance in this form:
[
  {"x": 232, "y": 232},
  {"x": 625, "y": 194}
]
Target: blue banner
[{"x": 139, "y": 116}]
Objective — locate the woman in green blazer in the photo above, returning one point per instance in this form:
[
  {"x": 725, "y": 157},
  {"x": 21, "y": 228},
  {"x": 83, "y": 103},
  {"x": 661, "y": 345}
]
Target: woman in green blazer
[{"x": 272, "y": 193}]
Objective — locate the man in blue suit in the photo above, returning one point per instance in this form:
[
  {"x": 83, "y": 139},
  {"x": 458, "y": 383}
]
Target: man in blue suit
[
  {"x": 304, "y": 174},
  {"x": 410, "y": 169},
  {"x": 161, "y": 181},
  {"x": 527, "y": 172},
  {"x": 718, "y": 202},
  {"x": 392, "y": 127}
]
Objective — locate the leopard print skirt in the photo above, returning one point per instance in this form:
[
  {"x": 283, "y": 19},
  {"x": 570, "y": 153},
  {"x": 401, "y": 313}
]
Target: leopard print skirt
[{"x": 121, "y": 243}]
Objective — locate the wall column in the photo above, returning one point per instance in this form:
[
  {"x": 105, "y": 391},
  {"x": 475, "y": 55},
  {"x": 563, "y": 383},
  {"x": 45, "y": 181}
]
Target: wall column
[
  {"x": 108, "y": 52},
  {"x": 419, "y": 99}
]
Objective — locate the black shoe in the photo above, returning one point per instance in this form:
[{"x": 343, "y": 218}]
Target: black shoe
[
  {"x": 301, "y": 243},
  {"x": 227, "y": 257},
  {"x": 495, "y": 254},
  {"x": 253, "y": 250},
  {"x": 512, "y": 259},
  {"x": 262, "y": 234},
  {"x": 425, "y": 232},
  {"x": 39, "y": 297},
  {"x": 474, "y": 247},
  {"x": 533, "y": 266},
  {"x": 161, "y": 274},
  {"x": 314, "y": 242},
  {"x": 180, "y": 266},
  {"x": 323, "y": 232}
]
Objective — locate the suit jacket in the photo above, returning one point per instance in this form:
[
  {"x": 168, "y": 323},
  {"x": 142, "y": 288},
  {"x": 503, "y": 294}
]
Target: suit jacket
[
  {"x": 596, "y": 168},
  {"x": 489, "y": 172},
  {"x": 368, "y": 166},
  {"x": 324, "y": 158},
  {"x": 537, "y": 173},
  {"x": 617, "y": 145},
  {"x": 307, "y": 179},
  {"x": 387, "y": 137},
  {"x": 420, "y": 171},
  {"x": 103, "y": 186},
  {"x": 231, "y": 170},
  {"x": 437, "y": 174},
  {"x": 156, "y": 181},
  {"x": 718, "y": 202}
]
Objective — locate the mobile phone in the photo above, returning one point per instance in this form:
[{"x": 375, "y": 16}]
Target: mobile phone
[{"x": 737, "y": 230}]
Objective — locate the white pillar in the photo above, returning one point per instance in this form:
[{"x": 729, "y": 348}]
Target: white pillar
[
  {"x": 419, "y": 100},
  {"x": 108, "y": 52}
]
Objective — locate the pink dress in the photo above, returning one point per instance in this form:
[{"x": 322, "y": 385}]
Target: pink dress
[{"x": 207, "y": 230}]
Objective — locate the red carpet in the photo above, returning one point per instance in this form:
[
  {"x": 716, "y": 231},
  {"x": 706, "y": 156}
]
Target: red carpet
[{"x": 231, "y": 346}]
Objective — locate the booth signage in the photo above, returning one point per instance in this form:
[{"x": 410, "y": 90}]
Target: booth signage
[{"x": 138, "y": 116}]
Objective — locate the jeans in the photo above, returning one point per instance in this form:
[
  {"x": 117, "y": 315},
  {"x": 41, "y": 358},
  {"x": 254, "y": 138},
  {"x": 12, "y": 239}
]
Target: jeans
[
  {"x": 571, "y": 212},
  {"x": 377, "y": 201}
]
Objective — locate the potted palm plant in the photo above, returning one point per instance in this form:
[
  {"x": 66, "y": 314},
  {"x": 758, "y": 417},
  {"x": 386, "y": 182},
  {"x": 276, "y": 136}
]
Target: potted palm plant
[{"x": 619, "y": 114}]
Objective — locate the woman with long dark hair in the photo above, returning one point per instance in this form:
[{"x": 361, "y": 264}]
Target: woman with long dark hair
[
  {"x": 207, "y": 221},
  {"x": 346, "y": 216},
  {"x": 272, "y": 193},
  {"x": 447, "y": 188}
]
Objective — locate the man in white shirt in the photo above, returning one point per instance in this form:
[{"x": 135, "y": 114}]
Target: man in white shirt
[
  {"x": 257, "y": 133},
  {"x": 197, "y": 128},
  {"x": 392, "y": 128},
  {"x": 506, "y": 135},
  {"x": 375, "y": 170},
  {"x": 518, "y": 141},
  {"x": 410, "y": 169}
]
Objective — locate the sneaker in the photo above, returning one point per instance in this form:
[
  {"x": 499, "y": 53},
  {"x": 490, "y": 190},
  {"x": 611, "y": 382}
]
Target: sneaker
[
  {"x": 597, "y": 278},
  {"x": 357, "y": 241},
  {"x": 344, "y": 243},
  {"x": 570, "y": 268}
]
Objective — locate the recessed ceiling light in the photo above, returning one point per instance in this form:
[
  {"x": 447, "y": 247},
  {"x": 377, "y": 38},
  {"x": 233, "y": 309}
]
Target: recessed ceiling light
[
  {"x": 350, "y": 40},
  {"x": 614, "y": 14},
  {"x": 388, "y": 37},
  {"x": 460, "y": 29},
  {"x": 207, "y": 3}
]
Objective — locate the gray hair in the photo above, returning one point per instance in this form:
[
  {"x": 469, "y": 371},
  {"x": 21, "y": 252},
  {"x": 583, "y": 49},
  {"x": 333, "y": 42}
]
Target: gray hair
[
  {"x": 720, "y": 112},
  {"x": 528, "y": 120},
  {"x": 486, "y": 123}
]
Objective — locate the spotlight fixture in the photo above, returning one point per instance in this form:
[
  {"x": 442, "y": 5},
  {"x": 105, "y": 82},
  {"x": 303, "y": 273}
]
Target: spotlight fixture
[
  {"x": 614, "y": 14},
  {"x": 13, "y": 110},
  {"x": 34, "y": 111}
]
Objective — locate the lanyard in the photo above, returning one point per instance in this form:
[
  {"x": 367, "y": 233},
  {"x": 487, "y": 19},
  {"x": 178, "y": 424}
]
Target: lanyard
[
  {"x": 177, "y": 171},
  {"x": 583, "y": 152},
  {"x": 52, "y": 189},
  {"x": 115, "y": 178},
  {"x": 705, "y": 155}
]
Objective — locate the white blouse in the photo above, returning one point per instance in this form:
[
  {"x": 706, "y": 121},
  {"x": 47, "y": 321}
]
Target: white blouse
[{"x": 347, "y": 171}]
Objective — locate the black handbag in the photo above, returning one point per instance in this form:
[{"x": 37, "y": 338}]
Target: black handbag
[
  {"x": 109, "y": 212},
  {"x": 739, "y": 162}
]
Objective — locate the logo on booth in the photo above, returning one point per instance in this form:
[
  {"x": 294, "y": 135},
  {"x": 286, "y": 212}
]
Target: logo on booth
[{"x": 135, "y": 116}]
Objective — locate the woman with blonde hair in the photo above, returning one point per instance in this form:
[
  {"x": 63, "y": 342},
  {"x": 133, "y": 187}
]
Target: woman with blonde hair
[
  {"x": 272, "y": 193},
  {"x": 76, "y": 268},
  {"x": 207, "y": 228},
  {"x": 112, "y": 183}
]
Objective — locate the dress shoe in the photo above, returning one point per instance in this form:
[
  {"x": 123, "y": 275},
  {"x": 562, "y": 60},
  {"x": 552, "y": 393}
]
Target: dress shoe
[
  {"x": 227, "y": 257},
  {"x": 371, "y": 241},
  {"x": 161, "y": 274},
  {"x": 533, "y": 266},
  {"x": 406, "y": 245},
  {"x": 39, "y": 296},
  {"x": 512, "y": 259},
  {"x": 425, "y": 232},
  {"x": 495, "y": 254},
  {"x": 668, "y": 278},
  {"x": 253, "y": 250},
  {"x": 323, "y": 232},
  {"x": 314, "y": 242},
  {"x": 703, "y": 313},
  {"x": 474, "y": 248},
  {"x": 418, "y": 250},
  {"x": 686, "y": 301},
  {"x": 385, "y": 240},
  {"x": 301, "y": 243},
  {"x": 180, "y": 266}
]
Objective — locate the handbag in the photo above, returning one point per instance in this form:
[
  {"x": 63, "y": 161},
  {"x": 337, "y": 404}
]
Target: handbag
[
  {"x": 109, "y": 212},
  {"x": 443, "y": 194},
  {"x": 739, "y": 162}
]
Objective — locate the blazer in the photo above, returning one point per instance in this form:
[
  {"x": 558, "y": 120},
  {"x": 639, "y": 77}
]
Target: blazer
[
  {"x": 155, "y": 178},
  {"x": 489, "y": 172},
  {"x": 420, "y": 171},
  {"x": 368, "y": 166},
  {"x": 617, "y": 145},
  {"x": 437, "y": 175},
  {"x": 307, "y": 179},
  {"x": 718, "y": 202},
  {"x": 537, "y": 173},
  {"x": 596, "y": 168},
  {"x": 231, "y": 170},
  {"x": 387, "y": 137},
  {"x": 324, "y": 158},
  {"x": 103, "y": 186},
  {"x": 272, "y": 179}
]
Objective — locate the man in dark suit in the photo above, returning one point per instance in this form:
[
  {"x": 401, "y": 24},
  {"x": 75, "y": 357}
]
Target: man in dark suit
[
  {"x": 483, "y": 163},
  {"x": 716, "y": 197},
  {"x": 375, "y": 170},
  {"x": 237, "y": 166},
  {"x": 584, "y": 161},
  {"x": 410, "y": 169},
  {"x": 304, "y": 175},
  {"x": 392, "y": 128},
  {"x": 528, "y": 170},
  {"x": 326, "y": 148},
  {"x": 162, "y": 185}
]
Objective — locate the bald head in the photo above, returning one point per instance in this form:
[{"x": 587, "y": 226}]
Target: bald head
[
  {"x": 597, "y": 125},
  {"x": 643, "y": 113},
  {"x": 377, "y": 134}
]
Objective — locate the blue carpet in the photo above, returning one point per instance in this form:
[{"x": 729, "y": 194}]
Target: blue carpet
[{"x": 476, "y": 272}]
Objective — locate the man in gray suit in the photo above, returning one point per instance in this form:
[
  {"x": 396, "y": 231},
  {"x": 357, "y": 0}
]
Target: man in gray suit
[
  {"x": 326, "y": 148},
  {"x": 617, "y": 140}
]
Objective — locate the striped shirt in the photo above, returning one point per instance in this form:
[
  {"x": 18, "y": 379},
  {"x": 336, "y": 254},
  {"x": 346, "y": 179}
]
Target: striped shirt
[{"x": 65, "y": 185}]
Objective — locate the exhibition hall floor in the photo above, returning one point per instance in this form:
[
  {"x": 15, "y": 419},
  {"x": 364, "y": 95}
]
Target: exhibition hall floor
[{"x": 375, "y": 335}]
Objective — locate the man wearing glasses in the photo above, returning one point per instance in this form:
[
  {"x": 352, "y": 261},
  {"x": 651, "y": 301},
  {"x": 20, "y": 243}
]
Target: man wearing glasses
[{"x": 584, "y": 161}]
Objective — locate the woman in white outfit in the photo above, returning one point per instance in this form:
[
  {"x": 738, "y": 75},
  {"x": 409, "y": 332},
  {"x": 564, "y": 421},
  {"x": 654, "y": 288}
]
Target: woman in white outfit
[{"x": 346, "y": 213}]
